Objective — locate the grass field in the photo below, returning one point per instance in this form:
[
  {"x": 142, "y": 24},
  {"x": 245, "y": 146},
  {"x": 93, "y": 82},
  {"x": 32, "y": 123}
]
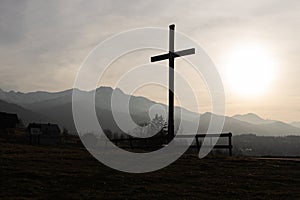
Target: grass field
[{"x": 43, "y": 172}]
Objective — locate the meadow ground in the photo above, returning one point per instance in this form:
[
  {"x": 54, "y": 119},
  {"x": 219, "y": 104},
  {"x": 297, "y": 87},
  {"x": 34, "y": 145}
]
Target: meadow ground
[{"x": 44, "y": 172}]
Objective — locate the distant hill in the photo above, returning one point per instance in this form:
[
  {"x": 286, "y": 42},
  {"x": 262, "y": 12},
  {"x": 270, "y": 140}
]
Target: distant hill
[
  {"x": 57, "y": 107},
  {"x": 30, "y": 97},
  {"x": 295, "y": 124},
  {"x": 25, "y": 114},
  {"x": 252, "y": 119},
  {"x": 236, "y": 126}
]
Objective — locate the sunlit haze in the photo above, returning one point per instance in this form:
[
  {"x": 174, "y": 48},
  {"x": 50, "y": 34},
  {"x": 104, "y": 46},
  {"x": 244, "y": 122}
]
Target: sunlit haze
[
  {"x": 254, "y": 46},
  {"x": 251, "y": 70}
]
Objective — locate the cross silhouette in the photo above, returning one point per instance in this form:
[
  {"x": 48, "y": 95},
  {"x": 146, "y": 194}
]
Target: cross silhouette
[{"x": 171, "y": 57}]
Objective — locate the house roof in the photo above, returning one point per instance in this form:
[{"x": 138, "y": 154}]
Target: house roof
[
  {"x": 8, "y": 120},
  {"x": 45, "y": 128}
]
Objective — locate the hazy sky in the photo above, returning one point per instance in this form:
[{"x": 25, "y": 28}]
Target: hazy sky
[{"x": 43, "y": 43}]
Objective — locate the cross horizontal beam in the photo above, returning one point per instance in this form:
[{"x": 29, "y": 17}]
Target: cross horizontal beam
[
  {"x": 184, "y": 52},
  {"x": 160, "y": 57},
  {"x": 174, "y": 55}
]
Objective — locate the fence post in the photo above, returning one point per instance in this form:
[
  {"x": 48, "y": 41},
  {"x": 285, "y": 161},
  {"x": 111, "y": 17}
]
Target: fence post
[
  {"x": 230, "y": 143},
  {"x": 197, "y": 142},
  {"x": 130, "y": 142}
]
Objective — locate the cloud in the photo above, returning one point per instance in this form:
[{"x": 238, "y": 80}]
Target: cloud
[{"x": 42, "y": 43}]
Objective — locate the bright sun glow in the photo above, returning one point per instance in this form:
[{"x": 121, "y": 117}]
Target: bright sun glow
[{"x": 250, "y": 70}]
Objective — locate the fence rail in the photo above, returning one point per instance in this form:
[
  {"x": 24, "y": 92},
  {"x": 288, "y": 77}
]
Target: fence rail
[
  {"x": 164, "y": 140},
  {"x": 211, "y": 135}
]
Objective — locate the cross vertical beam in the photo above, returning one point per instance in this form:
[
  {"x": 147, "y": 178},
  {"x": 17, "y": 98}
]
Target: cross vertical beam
[
  {"x": 171, "y": 57},
  {"x": 171, "y": 82}
]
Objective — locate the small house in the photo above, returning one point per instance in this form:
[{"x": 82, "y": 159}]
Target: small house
[
  {"x": 8, "y": 120},
  {"x": 44, "y": 133}
]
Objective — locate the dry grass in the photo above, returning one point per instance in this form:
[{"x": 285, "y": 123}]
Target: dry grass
[{"x": 41, "y": 172}]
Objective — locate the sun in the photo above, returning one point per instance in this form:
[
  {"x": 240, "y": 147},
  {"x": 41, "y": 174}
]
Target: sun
[{"x": 251, "y": 70}]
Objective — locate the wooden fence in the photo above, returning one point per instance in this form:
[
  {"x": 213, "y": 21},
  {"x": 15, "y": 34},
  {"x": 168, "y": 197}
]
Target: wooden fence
[
  {"x": 164, "y": 140},
  {"x": 217, "y": 146}
]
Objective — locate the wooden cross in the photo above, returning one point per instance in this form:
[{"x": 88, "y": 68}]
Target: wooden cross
[{"x": 171, "y": 56}]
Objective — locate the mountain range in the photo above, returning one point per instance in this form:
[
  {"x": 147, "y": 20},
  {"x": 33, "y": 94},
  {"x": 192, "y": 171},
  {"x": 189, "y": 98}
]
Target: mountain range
[{"x": 57, "y": 108}]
